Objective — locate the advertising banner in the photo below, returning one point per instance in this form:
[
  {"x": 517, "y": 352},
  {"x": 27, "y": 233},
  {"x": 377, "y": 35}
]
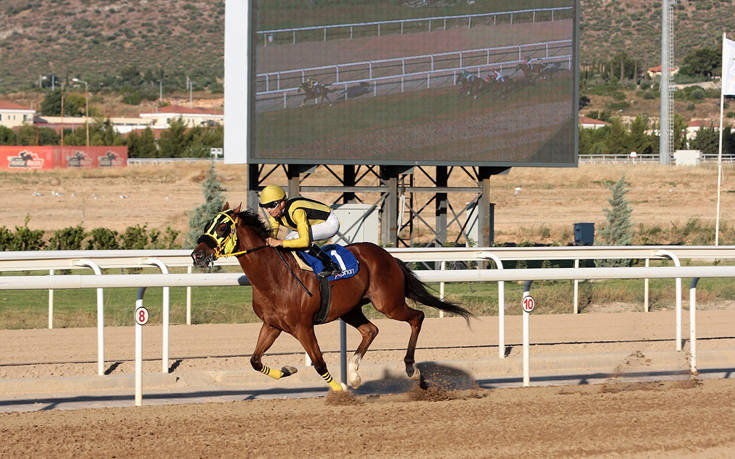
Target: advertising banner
[
  {"x": 49, "y": 157},
  {"x": 93, "y": 157},
  {"x": 25, "y": 158}
]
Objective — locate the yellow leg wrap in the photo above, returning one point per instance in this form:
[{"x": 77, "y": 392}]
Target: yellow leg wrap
[
  {"x": 275, "y": 374},
  {"x": 334, "y": 385}
]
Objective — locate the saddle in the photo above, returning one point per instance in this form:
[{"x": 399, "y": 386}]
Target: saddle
[{"x": 343, "y": 258}]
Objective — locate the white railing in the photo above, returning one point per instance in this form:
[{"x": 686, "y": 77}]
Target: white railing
[
  {"x": 268, "y": 35},
  {"x": 640, "y": 158},
  {"x": 382, "y": 69},
  {"x": 483, "y": 275}
]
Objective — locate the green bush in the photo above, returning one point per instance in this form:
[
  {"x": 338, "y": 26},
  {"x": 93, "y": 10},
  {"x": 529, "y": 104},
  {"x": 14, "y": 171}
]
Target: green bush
[
  {"x": 26, "y": 238},
  {"x": 6, "y": 239},
  {"x": 69, "y": 238},
  {"x": 135, "y": 237},
  {"x": 102, "y": 239}
]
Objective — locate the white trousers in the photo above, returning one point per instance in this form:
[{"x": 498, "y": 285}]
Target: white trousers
[{"x": 320, "y": 231}]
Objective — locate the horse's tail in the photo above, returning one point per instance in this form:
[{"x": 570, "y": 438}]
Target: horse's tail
[{"x": 417, "y": 291}]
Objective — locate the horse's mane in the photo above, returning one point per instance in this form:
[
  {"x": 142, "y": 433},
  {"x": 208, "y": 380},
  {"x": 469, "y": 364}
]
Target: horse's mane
[{"x": 253, "y": 220}]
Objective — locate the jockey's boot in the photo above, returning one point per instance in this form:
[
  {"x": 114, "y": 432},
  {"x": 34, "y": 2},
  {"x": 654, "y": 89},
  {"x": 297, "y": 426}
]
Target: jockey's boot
[{"x": 330, "y": 267}]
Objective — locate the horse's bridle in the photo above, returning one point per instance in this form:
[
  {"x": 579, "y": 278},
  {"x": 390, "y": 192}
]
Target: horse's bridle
[{"x": 224, "y": 246}]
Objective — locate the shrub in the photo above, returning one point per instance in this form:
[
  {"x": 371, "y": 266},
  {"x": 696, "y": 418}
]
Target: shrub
[
  {"x": 135, "y": 238},
  {"x": 6, "y": 239},
  {"x": 69, "y": 238},
  {"x": 102, "y": 239},
  {"x": 26, "y": 238}
]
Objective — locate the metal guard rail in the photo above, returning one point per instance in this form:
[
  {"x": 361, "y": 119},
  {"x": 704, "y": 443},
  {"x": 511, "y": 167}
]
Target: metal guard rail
[
  {"x": 106, "y": 259},
  {"x": 464, "y": 275}
]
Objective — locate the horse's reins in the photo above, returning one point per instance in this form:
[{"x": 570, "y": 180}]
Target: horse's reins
[{"x": 232, "y": 241}]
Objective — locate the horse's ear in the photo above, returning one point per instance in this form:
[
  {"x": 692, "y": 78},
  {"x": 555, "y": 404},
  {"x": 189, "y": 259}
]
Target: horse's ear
[
  {"x": 236, "y": 210},
  {"x": 226, "y": 206}
]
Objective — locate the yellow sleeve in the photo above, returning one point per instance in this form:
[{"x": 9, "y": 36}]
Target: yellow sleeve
[
  {"x": 274, "y": 226},
  {"x": 302, "y": 226}
]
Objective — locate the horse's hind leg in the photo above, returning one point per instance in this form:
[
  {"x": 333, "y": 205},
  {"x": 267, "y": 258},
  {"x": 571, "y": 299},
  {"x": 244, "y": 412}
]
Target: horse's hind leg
[
  {"x": 307, "y": 338},
  {"x": 415, "y": 318},
  {"x": 369, "y": 331},
  {"x": 266, "y": 337}
]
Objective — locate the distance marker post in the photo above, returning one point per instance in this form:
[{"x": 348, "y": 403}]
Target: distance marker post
[
  {"x": 141, "y": 318},
  {"x": 528, "y": 305}
]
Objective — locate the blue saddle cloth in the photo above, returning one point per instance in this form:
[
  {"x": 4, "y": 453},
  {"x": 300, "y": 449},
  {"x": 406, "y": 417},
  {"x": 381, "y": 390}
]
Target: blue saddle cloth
[{"x": 340, "y": 255}]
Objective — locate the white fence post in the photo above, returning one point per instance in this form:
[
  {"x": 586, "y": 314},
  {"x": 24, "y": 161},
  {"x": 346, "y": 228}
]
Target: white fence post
[
  {"x": 501, "y": 305},
  {"x": 675, "y": 259},
  {"x": 100, "y": 316},
  {"x": 526, "y": 338},
  {"x": 576, "y": 289},
  {"x": 693, "y": 328},
  {"x": 50, "y": 303},
  {"x": 188, "y": 299},
  {"x": 164, "y": 314},
  {"x": 645, "y": 288}
]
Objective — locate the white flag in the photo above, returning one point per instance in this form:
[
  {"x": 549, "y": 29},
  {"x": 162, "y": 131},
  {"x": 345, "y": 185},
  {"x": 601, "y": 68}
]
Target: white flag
[{"x": 728, "y": 67}]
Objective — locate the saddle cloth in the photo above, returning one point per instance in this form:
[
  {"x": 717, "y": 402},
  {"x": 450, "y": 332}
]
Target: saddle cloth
[{"x": 340, "y": 255}]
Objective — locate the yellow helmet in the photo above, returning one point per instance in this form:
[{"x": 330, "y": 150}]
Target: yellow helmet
[{"x": 271, "y": 194}]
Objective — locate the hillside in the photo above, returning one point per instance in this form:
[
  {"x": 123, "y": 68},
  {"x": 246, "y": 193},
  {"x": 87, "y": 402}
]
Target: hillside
[
  {"x": 83, "y": 37},
  {"x": 173, "y": 39}
]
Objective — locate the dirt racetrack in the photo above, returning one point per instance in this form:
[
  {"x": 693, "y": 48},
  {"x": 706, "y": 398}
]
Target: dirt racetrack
[
  {"x": 618, "y": 417},
  {"x": 677, "y": 419}
]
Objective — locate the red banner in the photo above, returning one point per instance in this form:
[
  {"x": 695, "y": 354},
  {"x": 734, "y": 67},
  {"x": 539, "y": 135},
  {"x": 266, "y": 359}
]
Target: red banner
[
  {"x": 26, "y": 158},
  {"x": 93, "y": 157},
  {"x": 49, "y": 157}
]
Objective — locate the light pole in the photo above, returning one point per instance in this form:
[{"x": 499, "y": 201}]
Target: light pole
[{"x": 86, "y": 106}]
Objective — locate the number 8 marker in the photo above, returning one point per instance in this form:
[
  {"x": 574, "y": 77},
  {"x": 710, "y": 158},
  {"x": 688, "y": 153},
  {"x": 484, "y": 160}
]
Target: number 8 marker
[{"x": 141, "y": 316}]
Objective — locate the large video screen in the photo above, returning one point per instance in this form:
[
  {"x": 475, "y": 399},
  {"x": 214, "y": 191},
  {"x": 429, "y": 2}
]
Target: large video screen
[{"x": 420, "y": 82}]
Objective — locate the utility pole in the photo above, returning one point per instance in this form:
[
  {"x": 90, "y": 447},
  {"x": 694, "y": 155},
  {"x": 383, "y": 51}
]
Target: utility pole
[{"x": 667, "y": 106}]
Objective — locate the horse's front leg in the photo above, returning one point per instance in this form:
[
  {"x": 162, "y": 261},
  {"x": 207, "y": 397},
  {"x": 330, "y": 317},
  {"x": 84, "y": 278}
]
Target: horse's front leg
[
  {"x": 307, "y": 338},
  {"x": 266, "y": 337}
]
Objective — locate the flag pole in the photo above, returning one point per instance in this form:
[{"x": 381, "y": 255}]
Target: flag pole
[{"x": 719, "y": 154}]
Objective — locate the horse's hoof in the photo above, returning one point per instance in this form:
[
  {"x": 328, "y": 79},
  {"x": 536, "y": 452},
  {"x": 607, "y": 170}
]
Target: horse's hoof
[
  {"x": 355, "y": 382},
  {"x": 410, "y": 369},
  {"x": 288, "y": 371}
]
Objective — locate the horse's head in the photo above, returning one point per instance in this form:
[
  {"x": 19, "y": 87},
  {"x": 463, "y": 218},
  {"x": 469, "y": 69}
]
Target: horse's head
[
  {"x": 218, "y": 239},
  {"x": 226, "y": 233}
]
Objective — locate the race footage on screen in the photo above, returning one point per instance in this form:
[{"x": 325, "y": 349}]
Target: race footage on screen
[{"x": 414, "y": 82}]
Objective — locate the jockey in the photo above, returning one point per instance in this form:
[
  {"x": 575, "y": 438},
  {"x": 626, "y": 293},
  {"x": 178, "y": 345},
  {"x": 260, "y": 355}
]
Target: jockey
[
  {"x": 308, "y": 220},
  {"x": 531, "y": 61},
  {"x": 468, "y": 76},
  {"x": 498, "y": 76}
]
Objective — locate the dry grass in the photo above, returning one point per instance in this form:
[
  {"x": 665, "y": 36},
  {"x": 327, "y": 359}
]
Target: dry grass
[{"x": 545, "y": 209}]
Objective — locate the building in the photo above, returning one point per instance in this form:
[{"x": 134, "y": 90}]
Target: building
[
  {"x": 191, "y": 116},
  {"x": 591, "y": 123},
  {"x": 653, "y": 72},
  {"x": 121, "y": 125},
  {"x": 13, "y": 115}
]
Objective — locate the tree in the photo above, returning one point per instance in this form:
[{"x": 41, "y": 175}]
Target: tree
[
  {"x": 702, "y": 62},
  {"x": 214, "y": 200},
  {"x": 174, "y": 140},
  {"x": 74, "y": 104},
  {"x": 31, "y": 135},
  {"x": 7, "y": 136},
  {"x": 618, "y": 229},
  {"x": 707, "y": 141},
  {"x": 142, "y": 145}
]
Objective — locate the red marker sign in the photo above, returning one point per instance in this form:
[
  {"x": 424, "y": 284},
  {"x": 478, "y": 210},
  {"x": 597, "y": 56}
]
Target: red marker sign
[
  {"x": 141, "y": 316},
  {"x": 528, "y": 304}
]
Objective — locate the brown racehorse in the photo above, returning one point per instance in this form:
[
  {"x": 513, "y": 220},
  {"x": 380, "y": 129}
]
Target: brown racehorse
[
  {"x": 318, "y": 92},
  {"x": 470, "y": 84},
  {"x": 286, "y": 298}
]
